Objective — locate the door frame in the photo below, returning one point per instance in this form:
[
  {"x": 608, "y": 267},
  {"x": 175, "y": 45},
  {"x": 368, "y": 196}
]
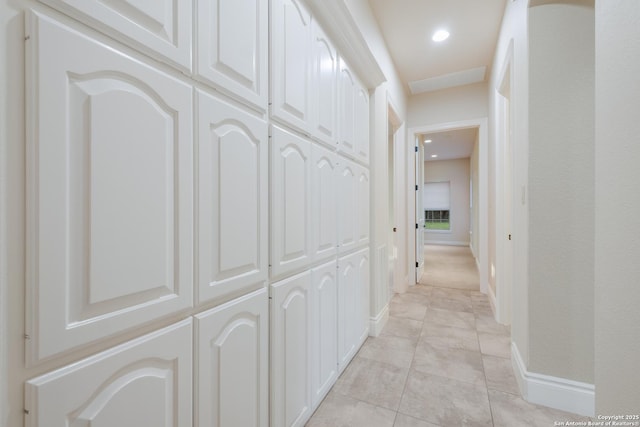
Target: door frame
[{"x": 482, "y": 124}]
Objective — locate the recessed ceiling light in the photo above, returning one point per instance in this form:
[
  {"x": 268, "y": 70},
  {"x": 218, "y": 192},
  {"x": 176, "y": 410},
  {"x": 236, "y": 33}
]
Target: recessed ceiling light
[
  {"x": 427, "y": 141},
  {"x": 434, "y": 156},
  {"x": 440, "y": 35}
]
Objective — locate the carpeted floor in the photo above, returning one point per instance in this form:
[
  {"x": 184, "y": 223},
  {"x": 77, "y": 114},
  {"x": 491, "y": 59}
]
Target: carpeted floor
[{"x": 450, "y": 267}]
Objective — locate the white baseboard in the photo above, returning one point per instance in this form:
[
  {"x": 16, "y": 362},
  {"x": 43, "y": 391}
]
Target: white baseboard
[
  {"x": 446, "y": 243},
  {"x": 377, "y": 323},
  {"x": 554, "y": 392}
]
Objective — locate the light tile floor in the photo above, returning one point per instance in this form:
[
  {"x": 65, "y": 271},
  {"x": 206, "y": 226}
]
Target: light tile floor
[{"x": 441, "y": 360}]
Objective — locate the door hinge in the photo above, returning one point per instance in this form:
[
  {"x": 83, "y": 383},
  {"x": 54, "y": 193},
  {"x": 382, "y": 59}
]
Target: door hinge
[
  {"x": 416, "y": 187},
  {"x": 416, "y": 147},
  {"x": 416, "y": 225},
  {"x": 509, "y": 236},
  {"x": 417, "y": 265}
]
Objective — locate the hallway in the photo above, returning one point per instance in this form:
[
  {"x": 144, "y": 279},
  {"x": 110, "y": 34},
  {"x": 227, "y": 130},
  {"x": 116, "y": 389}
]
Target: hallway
[{"x": 441, "y": 360}]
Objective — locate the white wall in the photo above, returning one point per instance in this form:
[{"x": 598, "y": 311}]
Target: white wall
[
  {"x": 617, "y": 271},
  {"x": 457, "y": 173},
  {"x": 448, "y": 105},
  {"x": 561, "y": 179}
]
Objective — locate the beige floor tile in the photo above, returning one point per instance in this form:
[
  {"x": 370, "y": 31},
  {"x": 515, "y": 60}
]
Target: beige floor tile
[
  {"x": 343, "y": 411},
  {"x": 407, "y": 421},
  {"x": 405, "y": 328},
  {"x": 495, "y": 345},
  {"x": 413, "y": 298},
  {"x": 499, "y": 374},
  {"x": 373, "y": 382},
  {"x": 445, "y": 402},
  {"x": 461, "y": 365},
  {"x": 486, "y": 323},
  {"x": 407, "y": 310},
  {"x": 510, "y": 410},
  {"x": 448, "y": 337},
  {"x": 451, "y": 304},
  {"x": 455, "y": 319},
  {"x": 393, "y": 350}
]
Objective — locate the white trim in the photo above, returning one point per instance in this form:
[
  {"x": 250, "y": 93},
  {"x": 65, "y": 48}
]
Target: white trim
[
  {"x": 446, "y": 242},
  {"x": 377, "y": 323},
  {"x": 554, "y": 392},
  {"x": 336, "y": 19}
]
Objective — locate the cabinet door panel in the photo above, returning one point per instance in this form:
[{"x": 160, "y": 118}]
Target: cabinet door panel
[
  {"x": 363, "y": 211},
  {"x": 233, "y": 191},
  {"x": 290, "y": 351},
  {"x": 362, "y": 124},
  {"x": 232, "y": 47},
  {"x": 346, "y": 108},
  {"x": 348, "y": 310},
  {"x": 290, "y": 201},
  {"x": 159, "y": 28},
  {"x": 109, "y": 191},
  {"x": 291, "y": 62},
  {"x": 146, "y": 381},
  {"x": 324, "y": 207},
  {"x": 324, "y": 287},
  {"x": 364, "y": 274},
  {"x": 232, "y": 363},
  {"x": 347, "y": 202},
  {"x": 324, "y": 86}
]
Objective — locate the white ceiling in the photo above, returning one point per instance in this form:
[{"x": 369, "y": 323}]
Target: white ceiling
[
  {"x": 424, "y": 65},
  {"x": 448, "y": 145}
]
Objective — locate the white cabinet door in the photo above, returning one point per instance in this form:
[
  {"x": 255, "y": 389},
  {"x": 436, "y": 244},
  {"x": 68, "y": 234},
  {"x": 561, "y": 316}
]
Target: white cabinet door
[
  {"x": 347, "y": 204},
  {"x": 233, "y": 200},
  {"x": 324, "y": 218},
  {"x": 290, "y": 351},
  {"x": 144, "y": 382},
  {"x": 290, "y": 202},
  {"x": 348, "y": 309},
  {"x": 291, "y": 63},
  {"x": 159, "y": 28},
  {"x": 362, "y": 211},
  {"x": 232, "y": 47},
  {"x": 346, "y": 109},
  {"x": 324, "y": 87},
  {"x": 362, "y": 124},
  {"x": 110, "y": 182},
  {"x": 231, "y": 377},
  {"x": 324, "y": 352},
  {"x": 363, "y": 284}
]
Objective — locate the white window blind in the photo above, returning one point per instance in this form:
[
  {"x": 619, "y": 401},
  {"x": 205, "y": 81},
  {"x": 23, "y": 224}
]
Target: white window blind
[{"x": 436, "y": 196}]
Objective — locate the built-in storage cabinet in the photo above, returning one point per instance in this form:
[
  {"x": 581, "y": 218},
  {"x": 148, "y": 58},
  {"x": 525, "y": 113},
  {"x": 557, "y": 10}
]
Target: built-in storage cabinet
[
  {"x": 361, "y": 115},
  {"x": 291, "y": 337},
  {"x": 158, "y": 195},
  {"x": 232, "y": 47},
  {"x": 160, "y": 28},
  {"x": 324, "y": 88},
  {"x": 347, "y": 196},
  {"x": 346, "y": 110},
  {"x": 324, "y": 205},
  {"x": 324, "y": 338},
  {"x": 232, "y": 198},
  {"x": 144, "y": 382},
  {"x": 232, "y": 347},
  {"x": 362, "y": 206},
  {"x": 291, "y": 63},
  {"x": 110, "y": 183},
  {"x": 353, "y": 304},
  {"x": 290, "y": 201}
]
